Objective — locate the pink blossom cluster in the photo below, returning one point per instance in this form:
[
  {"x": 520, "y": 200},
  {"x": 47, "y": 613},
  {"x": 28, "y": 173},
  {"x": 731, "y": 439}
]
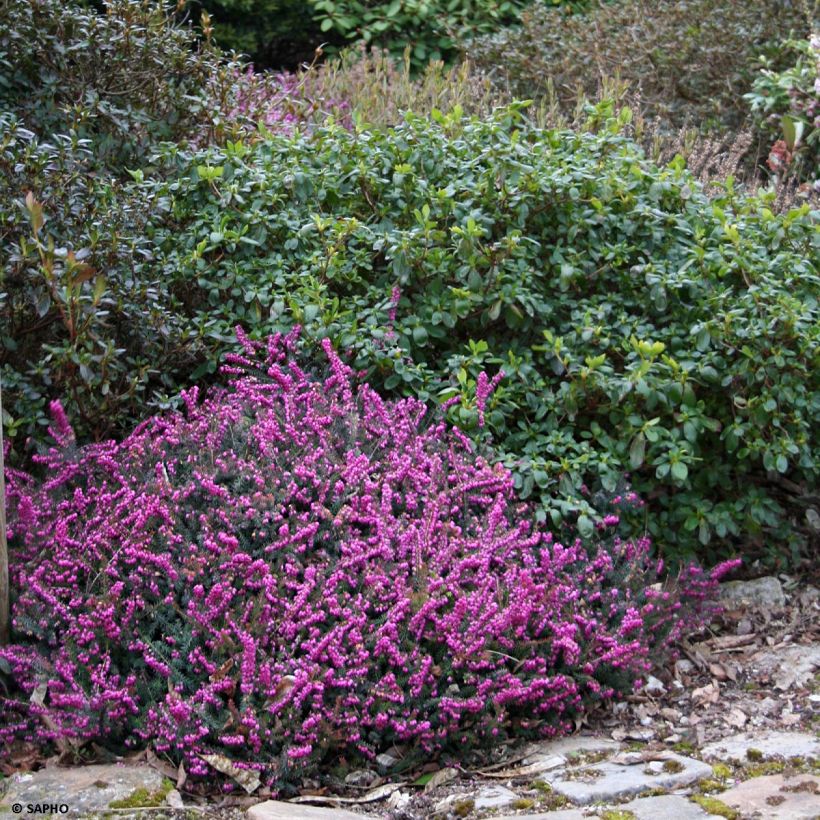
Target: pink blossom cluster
[
  {"x": 294, "y": 569},
  {"x": 277, "y": 100}
]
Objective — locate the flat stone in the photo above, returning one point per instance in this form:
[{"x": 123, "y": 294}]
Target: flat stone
[
  {"x": 559, "y": 814},
  {"x": 554, "y": 754},
  {"x": 487, "y": 797},
  {"x": 604, "y": 782},
  {"x": 279, "y": 810},
  {"x": 769, "y": 744},
  {"x": 761, "y": 593},
  {"x": 667, "y": 805},
  {"x": 776, "y": 797},
  {"x": 84, "y": 789},
  {"x": 789, "y": 666}
]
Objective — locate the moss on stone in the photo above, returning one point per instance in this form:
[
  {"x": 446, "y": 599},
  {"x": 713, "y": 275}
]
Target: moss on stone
[
  {"x": 657, "y": 791},
  {"x": 613, "y": 814},
  {"x": 711, "y": 785},
  {"x": 764, "y": 768},
  {"x": 141, "y": 798},
  {"x": 721, "y": 771},
  {"x": 672, "y": 766},
  {"x": 461, "y": 808},
  {"x": 523, "y": 803},
  {"x": 714, "y": 806},
  {"x": 754, "y": 755},
  {"x": 549, "y": 799}
]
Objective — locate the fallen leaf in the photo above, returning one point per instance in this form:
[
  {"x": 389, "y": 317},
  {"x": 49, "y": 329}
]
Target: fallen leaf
[
  {"x": 723, "y": 642},
  {"x": 706, "y": 694},
  {"x": 160, "y": 765},
  {"x": 736, "y": 718},
  {"x": 371, "y": 797},
  {"x": 182, "y": 776},
  {"x": 542, "y": 763},
  {"x": 440, "y": 778},
  {"x": 247, "y": 778},
  {"x": 718, "y": 671}
]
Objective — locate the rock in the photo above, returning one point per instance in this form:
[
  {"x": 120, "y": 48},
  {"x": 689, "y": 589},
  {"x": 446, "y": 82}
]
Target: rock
[
  {"x": 769, "y": 744},
  {"x": 653, "y": 686},
  {"x": 776, "y": 797},
  {"x": 792, "y": 666},
  {"x": 553, "y": 754},
  {"x": 560, "y": 814},
  {"x": 398, "y": 800},
  {"x": 487, "y": 797},
  {"x": 665, "y": 806},
  {"x": 386, "y": 760},
  {"x": 644, "y": 735},
  {"x": 83, "y": 789},
  {"x": 278, "y": 810},
  {"x": 174, "y": 799},
  {"x": 579, "y": 744},
  {"x": 494, "y": 797},
  {"x": 360, "y": 777},
  {"x": 762, "y": 593},
  {"x": 607, "y": 781}
]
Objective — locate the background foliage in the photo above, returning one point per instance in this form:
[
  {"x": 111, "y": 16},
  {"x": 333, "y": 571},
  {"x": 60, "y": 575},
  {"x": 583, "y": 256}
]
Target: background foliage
[
  {"x": 642, "y": 327},
  {"x": 691, "y": 60},
  {"x": 786, "y": 107}
]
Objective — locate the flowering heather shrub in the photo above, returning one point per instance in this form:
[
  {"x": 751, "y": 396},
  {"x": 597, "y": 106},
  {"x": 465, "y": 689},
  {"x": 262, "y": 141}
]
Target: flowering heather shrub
[
  {"x": 295, "y": 568},
  {"x": 278, "y": 100}
]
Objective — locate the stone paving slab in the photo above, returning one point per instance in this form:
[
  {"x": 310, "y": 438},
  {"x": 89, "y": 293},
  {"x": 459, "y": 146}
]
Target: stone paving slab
[
  {"x": 554, "y": 754},
  {"x": 769, "y": 744},
  {"x": 486, "y": 797},
  {"x": 666, "y": 807},
  {"x": 606, "y": 781},
  {"x": 560, "y": 814},
  {"x": 776, "y": 797},
  {"x": 84, "y": 790},
  {"x": 279, "y": 810}
]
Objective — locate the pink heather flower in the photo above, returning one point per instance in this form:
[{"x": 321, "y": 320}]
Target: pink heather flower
[{"x": 484, "y": 389}]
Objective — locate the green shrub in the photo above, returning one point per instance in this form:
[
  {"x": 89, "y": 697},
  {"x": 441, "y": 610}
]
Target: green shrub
[
  {"x": 75, "y": 320},
  {"x": 786, "y": 107},
  {"x": 428, "y": 27},
  {"x": 123, "y": 79},
  {"x": 692, "y": 60},
  {"x": 643, "y": 328},
  {"x": 273, "y": 33}
]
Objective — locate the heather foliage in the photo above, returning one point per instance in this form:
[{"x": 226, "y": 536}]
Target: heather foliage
[
  {"x": 644, "y": 328},
  {"x": 294, "y": 569}
]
